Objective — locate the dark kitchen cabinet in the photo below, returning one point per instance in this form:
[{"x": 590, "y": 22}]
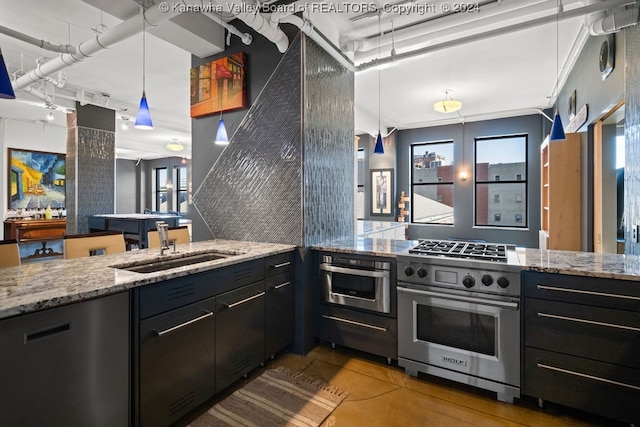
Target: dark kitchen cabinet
[
  {"x": 174, "y": 351},
  {"x": 581, "y": 343},
  {"x": 239, "y": 333},
  {"x": 279, "y": 303},
  {"x": 67, "y": 366},
  {"x": 177, "y": 362}
]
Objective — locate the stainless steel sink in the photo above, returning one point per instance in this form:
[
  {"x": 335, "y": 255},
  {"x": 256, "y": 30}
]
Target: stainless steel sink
[{"x": 167, "y": 264}]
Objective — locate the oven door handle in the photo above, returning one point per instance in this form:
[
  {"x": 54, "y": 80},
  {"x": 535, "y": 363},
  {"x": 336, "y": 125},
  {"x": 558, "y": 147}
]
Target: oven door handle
[
  {"x": 353, "y": 271},
  {"x": 462, "y": 298}
]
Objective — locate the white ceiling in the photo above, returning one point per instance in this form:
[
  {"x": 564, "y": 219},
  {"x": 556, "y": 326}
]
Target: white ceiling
[{"x": 494, "y": 72}]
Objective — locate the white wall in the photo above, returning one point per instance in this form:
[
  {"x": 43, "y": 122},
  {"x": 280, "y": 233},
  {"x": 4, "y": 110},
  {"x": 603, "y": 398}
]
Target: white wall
[{"x": 27, "y": 135}]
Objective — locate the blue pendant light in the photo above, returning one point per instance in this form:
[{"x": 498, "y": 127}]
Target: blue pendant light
[
  {"x": 6, "y": 90},
  {"x": 557, "y": 131},
  {"x": 221, "y": 134},
  {"x": 143, "y": 118},
  {"x": 379, "y": 149}
]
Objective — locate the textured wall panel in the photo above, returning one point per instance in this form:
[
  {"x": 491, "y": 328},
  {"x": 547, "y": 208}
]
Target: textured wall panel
[
  {"x": 253, "y": 191},
  {"x": 328, "y": 147},
  {"x": 90, "y": 176},
  {"x": 632, "y": 139}
]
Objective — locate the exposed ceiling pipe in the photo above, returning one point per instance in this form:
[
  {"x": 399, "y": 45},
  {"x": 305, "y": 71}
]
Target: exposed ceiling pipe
[
  {"x": 573, "y": 13},
  {"x": 307, "y": 27},
  {"x": 246, "y": 38},
  {"x": 39, "y": 94},
  {"x": 614, "y": 22},
  {"x": 122, "y": 31},
  {"x": 258, "y": 22},
  {"x": 453, "y": 24},
  {"x": 63, "y": 48}
]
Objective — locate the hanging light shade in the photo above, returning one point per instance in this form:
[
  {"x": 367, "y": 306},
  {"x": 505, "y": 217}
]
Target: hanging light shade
[
  {"x": 6, "y": 90},
  {"x": 447, "y": 105},
  {"x": 379, "y": 149},
  {"x": 221, "y": 134},
  {"x": 557, "y": 130},
  {"x": 143, "y": 118}
]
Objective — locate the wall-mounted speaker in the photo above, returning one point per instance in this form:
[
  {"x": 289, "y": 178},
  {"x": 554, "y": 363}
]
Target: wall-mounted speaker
[{"x": 607, "y": 55}]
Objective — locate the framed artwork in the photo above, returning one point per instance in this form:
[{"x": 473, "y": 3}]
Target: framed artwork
[
  {"x": 382, "y": 189},
  {"x": 219, "y": 86},
  {"x": 37, "y": 179}
]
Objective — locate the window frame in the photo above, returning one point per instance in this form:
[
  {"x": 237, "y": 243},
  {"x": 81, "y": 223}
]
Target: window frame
[
  {"x": 158, "y": 189},
  {"x": 439, "y": 181},
  {"x": 492, "y": 181}
]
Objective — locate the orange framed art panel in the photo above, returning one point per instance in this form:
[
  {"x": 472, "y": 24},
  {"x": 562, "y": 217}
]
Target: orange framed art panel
[{"x": 219, "y": 86}]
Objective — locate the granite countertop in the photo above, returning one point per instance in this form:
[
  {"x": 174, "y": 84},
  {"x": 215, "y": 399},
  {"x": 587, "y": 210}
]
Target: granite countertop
[
  {"x": 613, "y": 266},
  {"x": 39, "y": 285}
]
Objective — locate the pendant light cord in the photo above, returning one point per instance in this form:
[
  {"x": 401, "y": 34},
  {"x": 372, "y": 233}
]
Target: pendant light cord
[
  {"x": 379, "y": 68},
  {"x": 144, "y": 51}
]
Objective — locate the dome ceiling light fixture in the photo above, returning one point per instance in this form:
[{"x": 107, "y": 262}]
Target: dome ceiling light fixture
[
  {"x": 447, "y": 105},
  {"x": 175, "y": 145}
]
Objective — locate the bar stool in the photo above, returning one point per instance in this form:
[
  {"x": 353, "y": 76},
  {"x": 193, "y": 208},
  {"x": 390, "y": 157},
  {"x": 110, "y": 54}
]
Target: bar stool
[
  {"x": 83, "y": 245},
  {"x": 9, "y": 253},
  {"x": 179, "y": 234}
]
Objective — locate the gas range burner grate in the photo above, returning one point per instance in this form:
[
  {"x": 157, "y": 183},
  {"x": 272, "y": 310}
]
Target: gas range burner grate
[{"x": 457, "y": 249}]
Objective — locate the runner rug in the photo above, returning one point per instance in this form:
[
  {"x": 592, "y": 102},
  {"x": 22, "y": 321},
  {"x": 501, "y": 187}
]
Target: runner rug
[{"x": 275, "y": 398}]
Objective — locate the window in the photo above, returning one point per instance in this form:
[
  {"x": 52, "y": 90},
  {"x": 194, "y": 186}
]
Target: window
[
  {"x": 182, "y": 189},
  {"x": 432, "y": 183},
  {"x": 161, "y": 190},
  {"x": 497, "y": 158}
]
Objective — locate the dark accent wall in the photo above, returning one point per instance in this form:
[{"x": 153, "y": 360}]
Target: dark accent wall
[
  {"x": 463, "y": 192},
  {"x": 632, "y": 139},
  {"x": 91, "y": 152}
]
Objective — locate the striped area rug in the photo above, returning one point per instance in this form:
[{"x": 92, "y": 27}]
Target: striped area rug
[{"x": 275, "y": 398}]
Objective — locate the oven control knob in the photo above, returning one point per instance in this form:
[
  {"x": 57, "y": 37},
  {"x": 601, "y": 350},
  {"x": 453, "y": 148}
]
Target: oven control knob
[
  {"x": 422, "y": 272},
  {"x": 503, "y": 282},
  {"x": 408, "y": 271},
  {"x": 468, "y": 281},
  {"x": 487, "y": 279}
]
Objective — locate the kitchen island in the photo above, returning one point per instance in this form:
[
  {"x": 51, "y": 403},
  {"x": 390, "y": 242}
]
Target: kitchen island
[{"x": 106, "y": 340}]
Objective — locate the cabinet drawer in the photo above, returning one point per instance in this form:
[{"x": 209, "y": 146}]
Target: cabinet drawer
[
  {"x": 361, "y": 331},
  {"x": 164, "y": 296},
  {"x": 605, "y": 389},
  {"x": 618, "y": 294},
  {"x": 279, "y": 312},
  {"x": 277, "y": 264},
  {"x": 596, "y": 333}
]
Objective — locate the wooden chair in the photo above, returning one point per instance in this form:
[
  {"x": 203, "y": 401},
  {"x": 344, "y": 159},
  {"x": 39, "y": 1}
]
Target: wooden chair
[
  {"x": 83, "y": 245},
  {"x": 179, "y": 234},
  {"x": 9, "y": 253}
]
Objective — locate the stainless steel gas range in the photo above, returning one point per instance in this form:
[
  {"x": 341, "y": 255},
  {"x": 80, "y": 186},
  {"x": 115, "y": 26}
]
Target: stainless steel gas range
[{"x": 458, "y": 316}]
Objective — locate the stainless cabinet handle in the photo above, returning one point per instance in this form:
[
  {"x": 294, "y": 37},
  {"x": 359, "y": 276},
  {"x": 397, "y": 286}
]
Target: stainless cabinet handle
[
  {"x": 579, "y": 291},
  {"x": 284, "y": 264},
  {"x": 242, "y": 301},
  {"x": 182, "y": 325},
  {"x": 590, "y": 322},
  {"x": 461, "y": 298},
  {"x": 353, "y": 322},
  {"x": 281, "y": 285},
  {"x": 591, "y": 377},
  {"x": 354, "y": 271}
]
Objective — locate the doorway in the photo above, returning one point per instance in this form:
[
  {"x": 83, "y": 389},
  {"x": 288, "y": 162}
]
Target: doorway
[{"x": 608, "y": 181}]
